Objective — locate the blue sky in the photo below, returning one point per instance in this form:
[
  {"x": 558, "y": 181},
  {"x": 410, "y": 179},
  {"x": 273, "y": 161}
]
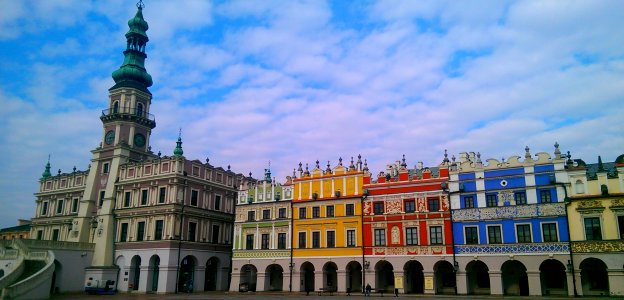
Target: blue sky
[{"x": 295, "y": 81}]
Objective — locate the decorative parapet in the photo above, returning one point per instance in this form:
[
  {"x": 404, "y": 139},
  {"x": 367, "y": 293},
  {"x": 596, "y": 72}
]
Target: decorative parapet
[
  {"x": 8, "y": 253},
  {"x": 532, "y": 248},
  {"x": 410, "y": 250},
  {"x": 509, "y": 212},
  {"x": 261, "y": 254},
  {"x": 598, "y": 246},
  {"x": 58, "y": 245}
]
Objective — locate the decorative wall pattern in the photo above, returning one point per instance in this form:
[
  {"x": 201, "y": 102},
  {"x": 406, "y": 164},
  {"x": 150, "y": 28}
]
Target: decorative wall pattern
[
  {"x": 410, "y": 250},
  {"x": 532, "y": 248},
  {"x": 598, "y": 246},
  {"x": 509, "y": 212},
  {"x": 261, "y": 254}
]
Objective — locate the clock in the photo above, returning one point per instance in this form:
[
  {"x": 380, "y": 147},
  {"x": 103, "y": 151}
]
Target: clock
[
  {"x": 109, "y": 138},
  {"x": 139, "y": 140}
]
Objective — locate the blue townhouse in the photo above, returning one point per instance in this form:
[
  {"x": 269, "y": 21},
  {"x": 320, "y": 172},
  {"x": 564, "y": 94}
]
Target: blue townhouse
[{"x": 510, "y": 228}]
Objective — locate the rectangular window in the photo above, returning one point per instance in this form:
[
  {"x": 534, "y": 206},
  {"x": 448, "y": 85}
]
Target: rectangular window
[
  {"x": 192, "y": 231},
  {"x": 469, "y": 202},
  {"x": 490, "y": 201},
  {"x": 102, "y": 194},
  {"x": 351, "y": 238},
  {"x": 302, "y": 240},
  {"x": 143, "y": 197},
  {"x": 620, "y": 220},
  {"x": 410, "y": 206},
  {"x": 215, "y": 234},
  {"x": 282, "y": 213},
  {"x": 329, "y": 211},
  {"x": 380, "y": 237},
  {"x": 281, "y": 241},
  {"x": 316, "y": 212},
  {"x": 105, "y": 168},
  {"x": 264, "y": 241},
  {"x": 549, "y": 230},
  {"x": 316, "y": 239},
  {"x": 127, "y": 199},
  {"x": 249, "y": 242},
  {"x": 378, "y": 208},
  {"x": 158, "y": 230},
  {"x": 523, "y": 233},
  {"x": 434, "y": 204},
  {"x": 40, "y": 234},
  {"x": 162, "y": 194},
  {"x": 123, "y": 235},
  {"x": 331, "y": 239},
  {"x": 545, "y": 196},
  {"x": 520, "y": 198},
  {"x": 75, "y": 205},
  {"x": 44, "y": 208},
  {"x": 592, "y": 229},
  {"x": 140, "y": 231},
  {"x": 55, "y": 235},
  {"x": 59, "y": 206},
  {"x": 266, "y": 214},
  {"x": 411, "y": 236},
  {"x": 302, "y": 212},
  {"x": 251, "y": 215},
  {"x": 435, "y": 235},
  {"x": 472, "y": 235},
  {"x": 217, "y": 202},
  {"x": 494, "y": 235},
  {"x": 194, "y": 196},
  {"x": 350, "y": 210}
]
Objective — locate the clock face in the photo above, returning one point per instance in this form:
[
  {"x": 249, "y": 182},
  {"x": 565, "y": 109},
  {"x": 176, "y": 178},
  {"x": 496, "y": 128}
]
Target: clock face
[
  {"x": 139, "y": 140},
  {"x": 110, "y": 137}
]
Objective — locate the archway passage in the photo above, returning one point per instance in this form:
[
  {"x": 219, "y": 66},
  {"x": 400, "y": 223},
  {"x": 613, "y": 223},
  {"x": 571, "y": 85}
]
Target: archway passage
[
  {"x": 594, "y": 277},
  {"x": 354, "y": 277},
  {"x": 414, "y": 277},
  {"x": 330, "y": 276},
  {"x": 274, "y": 278},
  {"x": 135, "y": 273},
  {"x": 154, "y": 271},
  {"x": 307, "y": 277},
  {"x": 444, "y": 278},
  {"x": 384, "y": 277},
  {"x": 478, "y": 278},
  {"x": 186, "y": 277},
  {"x": 553, "y": 278},
  {"x": 249, "y": 276},
  {"x": 212, "y": 269},
  {"x": 515, "y": 279}
]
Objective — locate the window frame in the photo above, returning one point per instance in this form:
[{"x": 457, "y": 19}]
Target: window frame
[
  {"x": 123, "y": 234},
  {"x": 74, "y": 208},
  {"x": 476, "y": 235},
  {"x": 469, "y": 199},
  {"x": 158, "y": 232},
  {"x": 249, "y": 242},
  {"x": 411, "y": 236},
  {"x": 489, "y": 198},
  {"x": 378, "y": 208},
  {"x": 266, "y": 214},
  {"x": 349, "y": 209},
  {"x": 379, "y": 236},
  {"x": 436, "y": 205},
  {"x": 45, "y": 207},
  {"x": 329, "y": 211},
  {"x": 162, "y": 194},
  {"x": 281, "y": 240},
  {"x": 144, "y": 197},
  {"x": 517, "y": 199},
  {"x": 545, "y": 194},
  {"x": 60, "y": 206},
  {"x": 140, "y": 231},
  {"x": 303, "y": 212},
  {"x": 517, "y": 227},
  {"x": 409, "y": 206},
  {"x": 316, "y": 212},
  {"x": 217, "y": 202},
  {"x": 316, "y": 239},
  {"x": 264, "y": 241},
  {"x": 599, "y": 219},
  {"x": 194, "y": 201},
  {"x": 544, "y": 232},
  {"x": 127, "y": 201},
  {"x": 302, "y": 240},
  {"x": 282, "y": 213},
  {"x": 500, "y": 232},
  {"x": 330, "y": 239},
  {"x": 351, "y": 239},
  {"x": 438, "y": 238},
  {"x": 251, "y": 216}
]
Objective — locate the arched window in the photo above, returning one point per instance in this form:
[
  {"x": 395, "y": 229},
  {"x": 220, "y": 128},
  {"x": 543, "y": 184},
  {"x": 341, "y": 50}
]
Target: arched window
[
  {"x": 579, "y": 187},
  {"x": 116, "y": 107},
  {"x": 139, "y": 110}
]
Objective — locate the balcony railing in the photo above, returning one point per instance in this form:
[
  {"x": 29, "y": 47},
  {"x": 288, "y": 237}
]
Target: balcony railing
[{"x": 127, "y": 113}]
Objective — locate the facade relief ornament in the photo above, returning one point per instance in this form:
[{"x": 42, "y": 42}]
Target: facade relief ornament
[
  {"x": 394, "y": 207},
  {"x": 598, "y": 246},
  {"x": 396, "y": 235},
  {"x": 509, "y": 212},
  {"x": 506, "y": 198}
]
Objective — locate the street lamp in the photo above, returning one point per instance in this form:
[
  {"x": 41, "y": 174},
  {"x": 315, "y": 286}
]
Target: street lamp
[{"x": 366, "y": 264}]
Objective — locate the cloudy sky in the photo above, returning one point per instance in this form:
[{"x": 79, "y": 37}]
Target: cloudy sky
[{"x": 286, "y": 81}]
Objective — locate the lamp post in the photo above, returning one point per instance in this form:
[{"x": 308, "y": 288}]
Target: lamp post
[{"x": 291, "y": 266}]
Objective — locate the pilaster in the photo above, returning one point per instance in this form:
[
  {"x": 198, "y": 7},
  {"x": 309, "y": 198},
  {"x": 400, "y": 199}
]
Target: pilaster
[
  {"x": 496, "y": 283},
  {"x": 535, "y": 284},
  {"x": 342, "y": 281}
]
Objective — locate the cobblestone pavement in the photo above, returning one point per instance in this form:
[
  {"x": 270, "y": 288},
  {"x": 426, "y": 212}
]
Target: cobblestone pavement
[{"x": 294, "y": 295}]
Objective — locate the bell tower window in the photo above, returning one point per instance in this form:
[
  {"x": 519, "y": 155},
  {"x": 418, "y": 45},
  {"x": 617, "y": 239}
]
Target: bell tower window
[
  {"x": 139, "y": 110},
  {"x": 116, "y": 107}
]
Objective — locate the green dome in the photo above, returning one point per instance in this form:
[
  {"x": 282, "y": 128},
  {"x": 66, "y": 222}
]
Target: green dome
[{"x": 137, "y": 24}]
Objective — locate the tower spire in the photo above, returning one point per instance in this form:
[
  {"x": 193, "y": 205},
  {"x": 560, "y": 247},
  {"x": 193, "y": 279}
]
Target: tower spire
[
  {"x": 178, "y": 149},
  {"x": 46, "y": 173},
  {"x": 132, "y": 72}
]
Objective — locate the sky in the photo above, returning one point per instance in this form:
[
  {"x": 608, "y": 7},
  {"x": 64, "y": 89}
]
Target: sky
[{"x": 282, "y": 82}]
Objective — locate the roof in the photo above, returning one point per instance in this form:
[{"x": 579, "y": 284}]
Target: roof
[{"x": 16, "y": 228}]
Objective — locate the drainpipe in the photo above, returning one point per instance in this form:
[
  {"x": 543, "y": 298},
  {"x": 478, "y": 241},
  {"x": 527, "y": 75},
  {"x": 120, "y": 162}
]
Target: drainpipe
[
  {"x": 292, "y": 243},
  {"x": 566, "y": 201},
  {"x": 364, "y": 196}
]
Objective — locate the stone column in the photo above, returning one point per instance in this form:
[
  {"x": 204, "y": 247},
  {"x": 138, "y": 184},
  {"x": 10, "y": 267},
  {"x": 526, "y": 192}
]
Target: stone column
[
  {"x": 318, "y": 280},
  {"x": 461, "y": 282},
  {"x": 297, "y": 286},
  {"x": 260, "y": 280},
  {"x": 616, "y": 278},
  {"x": 199, "y": 279},
  {"x": 496, "y": 283},
  {"x": 341, "y": 285},
  {"x": 579, "y": 283},
  {"x": 143, "y": 278},
  {"x": 286, "y": 281},
  {"x": 167, "y": 279},
  {"x": 430, "y": 289},
  {"x": 535, "y": 284},
  {"x": 235, "y": 281}
]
